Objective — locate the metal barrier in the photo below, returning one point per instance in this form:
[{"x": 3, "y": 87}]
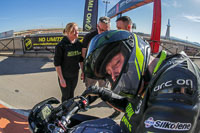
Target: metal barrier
[
  {"x": 20, "y": 46},
  {"x": 174, "y": 46},
  {"x": 7, "y": 45}
]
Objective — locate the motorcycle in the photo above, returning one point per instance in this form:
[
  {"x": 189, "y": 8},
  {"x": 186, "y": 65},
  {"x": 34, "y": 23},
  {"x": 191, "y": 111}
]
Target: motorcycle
[{"x": 44, "y": 117}]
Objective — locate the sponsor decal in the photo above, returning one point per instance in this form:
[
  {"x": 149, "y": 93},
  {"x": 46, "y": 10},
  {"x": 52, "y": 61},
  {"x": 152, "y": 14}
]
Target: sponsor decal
[
  {"x": 124, "y": 3},
  {"x": 88, "y": 27},
  {"x": 117, "y": 8},
  {"x": 112, "y": 11},
  {"x": 167, "y": 125},
  {"x": 45, "y": 42},
  {"x": 73, "y": 53},
  {"x": 129, "y": 111},
  {"x": 137, "y": 110},
  {"x": 41, "y": 42},
  {"x": 124, "y": 6},
  {"x": 126, "y": 122},
  {"x": 28, "y": 43},
  {"x": 129, "y": 114},
  {"x": 179, "y": 82},
  {"x": 90, "y": 15}
]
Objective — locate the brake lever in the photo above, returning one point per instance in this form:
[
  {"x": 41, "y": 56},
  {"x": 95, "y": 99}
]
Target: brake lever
[{"x": 83, "y": 103}]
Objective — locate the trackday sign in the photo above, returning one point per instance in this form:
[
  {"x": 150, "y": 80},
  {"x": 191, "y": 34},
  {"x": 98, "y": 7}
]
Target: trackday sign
[{"x": 42, "y": 43}]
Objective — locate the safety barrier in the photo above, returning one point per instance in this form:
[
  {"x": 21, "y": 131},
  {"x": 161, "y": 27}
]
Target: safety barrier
[
  {"x": 174, "y": 46},
  {"x": 7, "y": 45},
  {"x": 32, "y": 45},
  {"x": 44, "y": 45}
]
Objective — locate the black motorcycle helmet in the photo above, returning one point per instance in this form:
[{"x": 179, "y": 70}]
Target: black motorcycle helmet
[{"x": 105, "y": 46}]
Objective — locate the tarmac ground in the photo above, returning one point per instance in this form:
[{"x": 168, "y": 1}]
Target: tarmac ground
[{"x": 24, "y": 82}]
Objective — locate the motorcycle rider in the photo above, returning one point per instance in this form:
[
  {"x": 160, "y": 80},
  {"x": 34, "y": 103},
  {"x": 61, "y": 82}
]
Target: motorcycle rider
[{"x": 158, "y": 94}]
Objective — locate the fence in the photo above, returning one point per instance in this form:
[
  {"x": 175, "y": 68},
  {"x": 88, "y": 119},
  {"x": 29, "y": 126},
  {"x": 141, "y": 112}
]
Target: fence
[
  {"x": 7, "y": 45},
  {"x": 44, "y": 44},
  {"x": 34, "y": 45}
]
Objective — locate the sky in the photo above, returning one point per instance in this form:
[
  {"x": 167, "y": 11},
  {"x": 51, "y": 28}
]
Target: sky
[{"x": 21, "y": 15}]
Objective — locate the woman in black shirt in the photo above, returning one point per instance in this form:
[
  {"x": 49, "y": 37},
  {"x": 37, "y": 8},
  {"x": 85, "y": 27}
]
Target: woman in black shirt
[{"x": 66, "y": 60}]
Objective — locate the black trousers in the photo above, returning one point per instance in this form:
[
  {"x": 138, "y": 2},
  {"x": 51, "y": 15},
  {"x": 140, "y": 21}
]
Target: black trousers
[{"x": 68, "y": 92}]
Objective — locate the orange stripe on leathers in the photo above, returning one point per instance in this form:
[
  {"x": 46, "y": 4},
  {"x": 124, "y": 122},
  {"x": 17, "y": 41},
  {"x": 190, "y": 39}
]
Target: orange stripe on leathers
[{"x": 12, "y": 122}]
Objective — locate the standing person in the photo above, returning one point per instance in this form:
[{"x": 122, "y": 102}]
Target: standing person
[
  {"x": 103, "y": 25},
  {"x": 66, "y": 60},
  {"x": 157, "y": 94},
  {"x": 124, "y": 23}
]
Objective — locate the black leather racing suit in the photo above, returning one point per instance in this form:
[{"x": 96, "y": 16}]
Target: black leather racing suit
[{"x": 170, "y": 102}]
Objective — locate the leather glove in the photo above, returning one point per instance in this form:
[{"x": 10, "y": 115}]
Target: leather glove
[
  {"x": 105, "y": 94},
  {"x": 93, "y": 91}
]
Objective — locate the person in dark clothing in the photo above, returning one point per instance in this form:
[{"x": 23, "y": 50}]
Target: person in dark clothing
[
  {"x": 103, "y": 25},
  {"x": 157, "y": 94},
  {"x": 87, "y": 38},
  {"x": 66, "y": 60}
]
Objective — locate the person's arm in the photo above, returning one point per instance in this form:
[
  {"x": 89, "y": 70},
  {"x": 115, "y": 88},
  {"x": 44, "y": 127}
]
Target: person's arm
[
  {"x": 116, "y": 101},
  {"x": 60, "y": 76},
  {"x": 84, "y": 52},
  {"x": 81, "y": 62},
  {"x": 86, "y": 42},
  {"x": 58, "y": 58},
  {"x": 82, "y": 73}
]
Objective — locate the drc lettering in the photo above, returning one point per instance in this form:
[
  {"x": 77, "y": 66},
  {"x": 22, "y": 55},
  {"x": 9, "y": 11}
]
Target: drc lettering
[{"x": 90, "y": 5}]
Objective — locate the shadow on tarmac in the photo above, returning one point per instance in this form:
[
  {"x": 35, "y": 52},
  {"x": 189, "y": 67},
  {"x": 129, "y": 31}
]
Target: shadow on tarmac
[
  {"x": 100, "y": 104},
  {"x": 24, "y": 65}
]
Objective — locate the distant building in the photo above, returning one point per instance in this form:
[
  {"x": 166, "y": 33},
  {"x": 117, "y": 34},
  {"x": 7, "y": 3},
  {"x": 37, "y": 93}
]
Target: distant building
[
  {"x": 41, "y": 31},
  {"x": 7, "y": 34},
  {"x": 167, "y": 35}
]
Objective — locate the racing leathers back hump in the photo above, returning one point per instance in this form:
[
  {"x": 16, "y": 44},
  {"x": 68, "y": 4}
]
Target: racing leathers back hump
[
  {"x": 171, "y": 100},
  {"x": 173, "y": 97}
]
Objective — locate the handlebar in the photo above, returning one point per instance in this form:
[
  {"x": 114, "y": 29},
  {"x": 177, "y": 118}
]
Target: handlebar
[
  {"x": 61, "y": 126},
  {"x": 46, "y": 118},
  {"x": 65, "y": 120}
]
